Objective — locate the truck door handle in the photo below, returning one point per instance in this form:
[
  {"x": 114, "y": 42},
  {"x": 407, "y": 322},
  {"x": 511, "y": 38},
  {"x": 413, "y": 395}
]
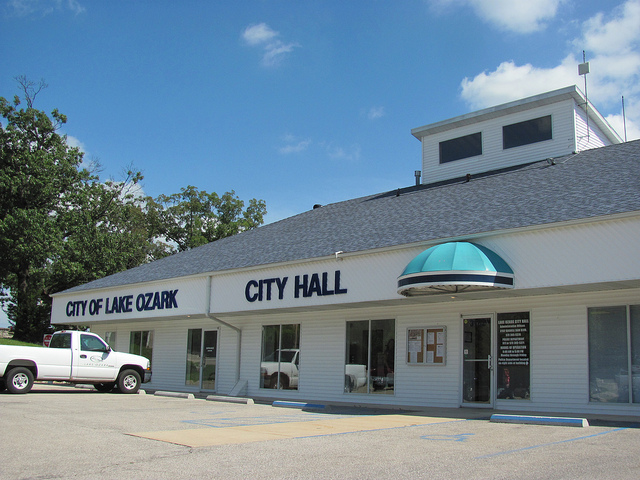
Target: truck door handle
[{"x": 83, "y": 356}]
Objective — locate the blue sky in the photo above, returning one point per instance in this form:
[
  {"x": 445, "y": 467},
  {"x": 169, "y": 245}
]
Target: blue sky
[{"x": 301, "y": 102}]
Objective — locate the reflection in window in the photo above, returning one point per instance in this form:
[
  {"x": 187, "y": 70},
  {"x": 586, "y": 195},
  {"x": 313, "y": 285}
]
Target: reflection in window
[
  {"x": 610, "y": 358},
  {"x": 61, "y": 340},
  {"x": 370, "y": 359},
  {"x": 89, "y": 343},
  {"x": 141, "y": 343},
  {"x": 280, "y": 356}
]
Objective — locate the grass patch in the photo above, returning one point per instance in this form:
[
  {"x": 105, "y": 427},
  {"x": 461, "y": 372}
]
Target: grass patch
[{"x": 9, "y": 341}]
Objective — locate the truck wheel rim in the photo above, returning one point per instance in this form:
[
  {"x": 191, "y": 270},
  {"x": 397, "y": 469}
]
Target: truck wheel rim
[
  {"x": 20, "y": 381},
  {"x": 129, "y": 382}
]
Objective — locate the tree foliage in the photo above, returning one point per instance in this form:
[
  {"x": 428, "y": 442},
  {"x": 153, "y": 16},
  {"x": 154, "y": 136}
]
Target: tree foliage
[
  {"x": 60, "y": 226},
  {"x": 52, "y": 211},
  {"x": 192, "y": 217}
]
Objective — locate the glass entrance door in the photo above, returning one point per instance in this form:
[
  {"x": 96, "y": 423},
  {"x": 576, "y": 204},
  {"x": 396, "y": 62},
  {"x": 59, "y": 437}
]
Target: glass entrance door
[
  {"x": 209, "y": 353},
  {"x": 477, "y": 369},
  {"x": 202, "y": 348}
]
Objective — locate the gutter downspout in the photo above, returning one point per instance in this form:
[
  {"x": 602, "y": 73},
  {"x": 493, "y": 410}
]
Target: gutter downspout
[{"x": 233, "y": 327}]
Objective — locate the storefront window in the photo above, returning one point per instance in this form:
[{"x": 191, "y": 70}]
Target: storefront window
[
  {"x": 370, "y": 359},
  {"x": 141, "y": 343},
  {"x": 614, "y": 350},
  {"x": 513, "y": 355},
  {"x": 280, "y": 363},
  {"x": 194, "y": 345},
  {"x": 634, "y": 312}
]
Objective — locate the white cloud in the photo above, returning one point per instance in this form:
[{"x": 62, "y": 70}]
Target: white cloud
[
  {"x": 294, "y": 145},
  {"x": 75, "y": 143},
  {"x": 613, "y": 39},
  {"x": 511, "y": 82},
  {"x": 349, "y": 154},
  {"x": 258, "y": 34},
  {"x": 264, "y": 37},
  {"x": 375, "y": 113},
  {"x": 520, "y": 16},
  {"x": 620, "y": 34},
  {"x": 23, "y": 8}
]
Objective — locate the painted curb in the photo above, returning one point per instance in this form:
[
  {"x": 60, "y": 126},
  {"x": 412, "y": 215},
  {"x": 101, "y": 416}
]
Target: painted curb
[
  {"x": 301, "y": 405},
  {"x": 220, "y": 398},
  {"x": 189, "y": 396},
  {"x": 536, "y": 420}
]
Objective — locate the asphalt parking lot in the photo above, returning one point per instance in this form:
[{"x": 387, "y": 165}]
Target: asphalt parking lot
[{"x": 66, "y": 432}]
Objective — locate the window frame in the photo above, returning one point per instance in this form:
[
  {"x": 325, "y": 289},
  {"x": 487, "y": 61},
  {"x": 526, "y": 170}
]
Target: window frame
[
  {"x": 523, "y": 133},
  {"x": 141, "y": 347},
  {"x": 459, "y": 148},
  {"x": 630, "y": 343},
  {"x": 381, "y": 381},
  {"x": 264, "y": 373}
]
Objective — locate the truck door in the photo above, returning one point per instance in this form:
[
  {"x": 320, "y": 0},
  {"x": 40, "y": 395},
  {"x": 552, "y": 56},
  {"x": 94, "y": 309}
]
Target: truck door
[
  {"x": 93, "y": 360},
  {"x": 56, "y": 359}
]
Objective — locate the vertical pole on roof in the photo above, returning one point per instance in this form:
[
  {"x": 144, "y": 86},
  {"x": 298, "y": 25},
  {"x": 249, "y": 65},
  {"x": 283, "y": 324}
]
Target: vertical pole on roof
[
  {"x": 624, "y": 121},
  {"x": 583, "y": 69}
]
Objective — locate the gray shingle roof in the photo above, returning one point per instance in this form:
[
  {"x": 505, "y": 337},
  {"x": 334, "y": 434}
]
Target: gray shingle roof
[{"x": 603, "y": 181}]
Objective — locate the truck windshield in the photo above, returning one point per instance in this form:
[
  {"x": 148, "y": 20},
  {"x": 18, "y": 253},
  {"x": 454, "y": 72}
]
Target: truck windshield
[{"x": 60, "y": 340}]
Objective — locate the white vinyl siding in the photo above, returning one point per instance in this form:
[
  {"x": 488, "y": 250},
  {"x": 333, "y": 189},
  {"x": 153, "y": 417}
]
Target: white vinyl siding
[
  {"x": 493, "y": 155},
  {"x": 588, "y": 137},
  {"x": 551, "y": 266},
  {"x": 559, "y": 352}
]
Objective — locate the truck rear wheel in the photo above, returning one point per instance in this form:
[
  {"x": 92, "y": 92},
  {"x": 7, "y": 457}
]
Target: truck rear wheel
[
  {"x": 19, "y": 380},
  {"x": 129, "y": 381}
]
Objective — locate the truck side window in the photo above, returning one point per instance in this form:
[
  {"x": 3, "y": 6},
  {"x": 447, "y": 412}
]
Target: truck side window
[
  {"x": 89, "y": 343},
  {"x": 61, "y": 340}
]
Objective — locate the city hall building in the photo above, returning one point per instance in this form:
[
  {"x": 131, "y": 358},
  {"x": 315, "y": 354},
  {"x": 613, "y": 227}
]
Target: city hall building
[{"x": 508, "y": 276}]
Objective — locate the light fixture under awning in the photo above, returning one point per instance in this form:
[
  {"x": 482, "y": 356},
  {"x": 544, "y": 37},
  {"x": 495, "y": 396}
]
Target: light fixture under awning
[{"x": 455, "y": 267}]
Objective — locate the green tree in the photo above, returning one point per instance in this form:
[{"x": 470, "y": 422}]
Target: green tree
[
  {"x": 59, "y": 225},
  {"x": 192, "y": 217}
]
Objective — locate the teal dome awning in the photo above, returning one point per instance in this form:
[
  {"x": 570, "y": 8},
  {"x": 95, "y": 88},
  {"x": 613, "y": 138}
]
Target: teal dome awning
[{"x": 455, "y": 267}]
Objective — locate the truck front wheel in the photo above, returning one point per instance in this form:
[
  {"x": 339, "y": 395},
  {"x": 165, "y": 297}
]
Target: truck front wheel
[
  {"x": 19, "y": 380},
  {"x": 129, "y": 381}
]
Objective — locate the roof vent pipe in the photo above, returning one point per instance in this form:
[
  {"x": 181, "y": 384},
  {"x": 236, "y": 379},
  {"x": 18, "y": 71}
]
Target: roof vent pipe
[{"x": 417, "y": 174}]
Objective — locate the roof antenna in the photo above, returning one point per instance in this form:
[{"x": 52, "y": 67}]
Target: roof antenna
[
  {"x": 583, "y": 69},
  {"x": 624, "y": 121}
]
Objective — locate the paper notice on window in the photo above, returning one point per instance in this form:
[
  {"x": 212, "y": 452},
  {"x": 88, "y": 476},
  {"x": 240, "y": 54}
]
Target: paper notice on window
[
  {"x": 430, "y": 356},
  {"x": 415, "y": 346},
  {"x": 440, "y": 337},
  {"x": 431, "y": 338},
  {"x": 440, "y": 350}
]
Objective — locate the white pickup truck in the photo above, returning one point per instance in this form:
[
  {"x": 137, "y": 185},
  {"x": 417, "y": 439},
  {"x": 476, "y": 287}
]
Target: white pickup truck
[
  {"x": 74, "y": 357},
  {"x": 285, "y": 362}
]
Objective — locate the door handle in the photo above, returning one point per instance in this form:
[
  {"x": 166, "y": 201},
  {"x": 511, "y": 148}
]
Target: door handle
[
  {"x": 490, "y": 365},
  {"x": 83, "y": 356}
]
